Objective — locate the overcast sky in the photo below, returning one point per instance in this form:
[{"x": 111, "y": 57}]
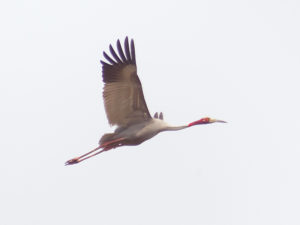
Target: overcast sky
[{"x": 237, "y": 61}]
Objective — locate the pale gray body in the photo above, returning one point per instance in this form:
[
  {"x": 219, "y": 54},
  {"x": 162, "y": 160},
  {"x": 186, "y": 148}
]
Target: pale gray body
[{"x": 139, "y": 132}]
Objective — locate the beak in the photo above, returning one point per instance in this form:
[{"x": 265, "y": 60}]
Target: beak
[{"x": 218, "y": 121}]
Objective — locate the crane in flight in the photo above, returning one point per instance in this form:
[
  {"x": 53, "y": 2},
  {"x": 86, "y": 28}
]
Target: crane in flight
[{"x": 125, "y": 104}]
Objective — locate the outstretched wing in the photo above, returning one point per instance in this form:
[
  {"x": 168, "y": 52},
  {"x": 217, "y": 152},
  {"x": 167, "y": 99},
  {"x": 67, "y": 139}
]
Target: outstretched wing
[{"x": 123, "y": 95}]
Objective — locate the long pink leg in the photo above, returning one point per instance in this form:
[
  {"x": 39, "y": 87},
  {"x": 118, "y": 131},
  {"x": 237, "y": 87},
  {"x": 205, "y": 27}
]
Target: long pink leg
[
  {"x": 85, "y": 156},
  {"x": 103, "y": 150}
]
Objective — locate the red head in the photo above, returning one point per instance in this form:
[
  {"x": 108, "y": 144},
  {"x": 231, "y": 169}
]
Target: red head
[{"x": 205, "y": 120}]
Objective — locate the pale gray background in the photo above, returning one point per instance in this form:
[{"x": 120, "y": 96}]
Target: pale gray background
[{"x": 232, "y": 60}]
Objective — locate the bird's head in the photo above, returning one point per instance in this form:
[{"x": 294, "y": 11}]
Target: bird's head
[{"x": 206, "y": 120}]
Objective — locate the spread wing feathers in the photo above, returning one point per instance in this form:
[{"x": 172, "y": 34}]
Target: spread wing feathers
[{"x": 123, "y": 95}]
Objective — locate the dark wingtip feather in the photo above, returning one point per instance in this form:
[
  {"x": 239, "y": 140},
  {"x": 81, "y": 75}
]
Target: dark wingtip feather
[
  {"x": 104, "y": 63},
  {"x": 127, "y": 51},
  {"x": 120, "y": 50},
  {"x": 132, "y": 51},
  {"x": 108, "y": 58},
  {"x": 114, "y": 54},
  {"x": 123, "y": 55}
]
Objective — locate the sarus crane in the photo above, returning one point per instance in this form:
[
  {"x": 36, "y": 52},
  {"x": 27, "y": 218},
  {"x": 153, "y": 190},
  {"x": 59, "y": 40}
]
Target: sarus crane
[{"x": 125, "y": 104}]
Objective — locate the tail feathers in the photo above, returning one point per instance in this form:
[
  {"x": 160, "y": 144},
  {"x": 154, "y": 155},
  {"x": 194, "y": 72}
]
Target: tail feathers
[{"x": 106, "y": 137}]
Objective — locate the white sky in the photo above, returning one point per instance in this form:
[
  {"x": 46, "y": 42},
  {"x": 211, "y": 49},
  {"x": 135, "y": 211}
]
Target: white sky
[{"x": 233, "y": 60}]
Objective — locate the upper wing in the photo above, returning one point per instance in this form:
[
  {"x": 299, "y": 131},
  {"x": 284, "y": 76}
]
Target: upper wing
[{"x": 123, "y": 95}]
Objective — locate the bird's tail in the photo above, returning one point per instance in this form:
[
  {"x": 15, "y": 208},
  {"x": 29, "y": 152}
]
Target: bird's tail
[{"x": 106, "y": 138}]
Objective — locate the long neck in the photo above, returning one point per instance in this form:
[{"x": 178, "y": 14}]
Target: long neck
[
  {"x": 198, "y": 122},
  {"x": 171, "y": 128}
]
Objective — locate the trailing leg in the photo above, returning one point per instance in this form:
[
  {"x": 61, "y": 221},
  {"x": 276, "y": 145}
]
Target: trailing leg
[{"x": 106, "y": 146}]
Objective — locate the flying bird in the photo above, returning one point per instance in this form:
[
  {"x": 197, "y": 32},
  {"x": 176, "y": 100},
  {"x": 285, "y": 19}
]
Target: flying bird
[{"x": 125, "y": 104}]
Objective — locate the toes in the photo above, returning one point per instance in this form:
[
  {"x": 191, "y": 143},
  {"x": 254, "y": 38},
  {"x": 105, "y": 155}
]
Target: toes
[{"x": 72, "y": 161}]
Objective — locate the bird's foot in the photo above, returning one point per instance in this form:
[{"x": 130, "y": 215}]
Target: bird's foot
[{"x": 72, "y": 161}]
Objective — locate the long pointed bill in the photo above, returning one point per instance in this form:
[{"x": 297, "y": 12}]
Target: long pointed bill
[{"x": 217, "y": 121}]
